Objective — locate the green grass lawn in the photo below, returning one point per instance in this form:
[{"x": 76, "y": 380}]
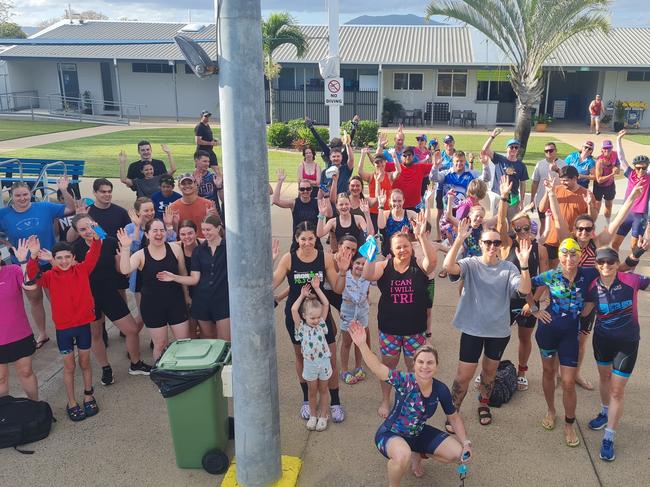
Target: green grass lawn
[
  {"x": 15, "y": 129},
  {"x": 100, "y": 151},
  {"x": 639, "y": 138}
]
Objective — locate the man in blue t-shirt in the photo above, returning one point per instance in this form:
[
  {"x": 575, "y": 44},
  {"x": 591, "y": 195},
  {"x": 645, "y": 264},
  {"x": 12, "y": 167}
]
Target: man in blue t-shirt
[
  {"x": 584, "y": 162},
  {"x": 509, "y": 165},
  {"x": 165, "y": 197}
]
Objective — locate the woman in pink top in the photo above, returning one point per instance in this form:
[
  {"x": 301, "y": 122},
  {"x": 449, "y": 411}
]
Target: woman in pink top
[
  {"x": 607, "y": 167},
  {"x": 309, "y": 170},
  {"x": 17, "y": 344}
]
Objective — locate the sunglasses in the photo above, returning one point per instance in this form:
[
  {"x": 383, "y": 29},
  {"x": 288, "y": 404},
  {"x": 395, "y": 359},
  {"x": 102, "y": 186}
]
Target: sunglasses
[
  {"x": 525, "y": 228},
  {"x": 588, "y": 148},
  {"x": 407, "y": 155},
  {"x": 640, "y": 168},
  {"x": 304, "y": 189},
  {"x": 513, "y": 147},
  {"x": 488, "y": 243},
  {"x": 606, "y": 261},
  {"x": 548, "y": 151},
  {"x": 570, "y": 252},
  {"x": 584, "y": 229}
]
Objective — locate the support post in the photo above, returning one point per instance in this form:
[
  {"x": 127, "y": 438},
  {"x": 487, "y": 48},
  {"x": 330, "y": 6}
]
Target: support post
[
  {"x": 119, "y": 89},
  {"x": 248, "y": 236},
  {"x": 333, "y": 50},
  {"x": 380, "y": 93}
]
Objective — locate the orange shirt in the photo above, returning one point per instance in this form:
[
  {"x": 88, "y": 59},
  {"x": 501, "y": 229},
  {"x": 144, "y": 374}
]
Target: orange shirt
[
  {"x": 572, "y": 205},
  {"x": 194, "y": 211},
  {"x": 386, "y": 185}
]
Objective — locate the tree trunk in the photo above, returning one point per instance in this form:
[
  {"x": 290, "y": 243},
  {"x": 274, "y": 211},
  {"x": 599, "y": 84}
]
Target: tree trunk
[
  {"x": 522, "y": 127},
  {"x": 271, "y": 111}
]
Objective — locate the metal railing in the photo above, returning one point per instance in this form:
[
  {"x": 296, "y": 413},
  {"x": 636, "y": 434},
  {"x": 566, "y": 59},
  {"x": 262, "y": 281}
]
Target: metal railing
[{"x": 40, "y": 184}]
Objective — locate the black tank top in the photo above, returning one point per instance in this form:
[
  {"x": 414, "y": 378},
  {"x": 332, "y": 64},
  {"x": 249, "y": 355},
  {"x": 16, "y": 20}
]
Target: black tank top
[
  {"x": 353, "y": 230},
  {"x": 151, "y": 286},
  {"x": 402, "y": 306},
  {"x": 301, "y": 273},
  {"x": 304, "y": 212},
  {"x": 533, "y": 259}
]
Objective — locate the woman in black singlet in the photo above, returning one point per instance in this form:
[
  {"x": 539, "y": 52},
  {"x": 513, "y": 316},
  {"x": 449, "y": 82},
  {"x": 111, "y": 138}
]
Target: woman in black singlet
[
  {"x": 345, "y": 223},
  {"x": 188, "y": 241},
  {"x": 511, "y": 237},
  {"x": 402, "y": 309},
  {"x": 304, "y": 207},
  {"x": 299, "y": 267},
  {"x": 162, "y": 303}
]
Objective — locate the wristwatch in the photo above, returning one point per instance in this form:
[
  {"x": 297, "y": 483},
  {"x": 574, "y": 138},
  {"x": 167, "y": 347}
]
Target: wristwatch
[{"x": 534, "y": 309}]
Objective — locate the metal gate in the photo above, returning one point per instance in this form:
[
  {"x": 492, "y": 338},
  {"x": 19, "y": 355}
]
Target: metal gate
[{"x": 291, "y": 104}]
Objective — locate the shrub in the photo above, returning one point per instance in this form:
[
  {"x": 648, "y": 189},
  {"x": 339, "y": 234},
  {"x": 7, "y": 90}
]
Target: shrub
[
  {"x": 295, "y": 125},
  {"x": 278, "y": 135},
  {"x": 305, "y": 134},
  {"x": 367, "y": 132}
]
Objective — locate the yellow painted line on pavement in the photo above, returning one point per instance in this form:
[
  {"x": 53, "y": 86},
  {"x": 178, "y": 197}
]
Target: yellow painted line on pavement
[{"x": 290, "y": 471}]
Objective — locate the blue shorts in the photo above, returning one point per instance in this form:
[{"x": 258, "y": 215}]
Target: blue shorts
[
  {"x": 68, "y": 338},
  {"x": 635, "y": 222},
  {"x": 426, "y": 442},
  {"x": 560, "y": 340},
  {"x": 319, "y": 369},
  {"x": 350, "y": 311}
]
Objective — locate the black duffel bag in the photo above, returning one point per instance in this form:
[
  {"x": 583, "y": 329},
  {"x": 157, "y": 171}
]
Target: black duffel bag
[{"x": 23, "y": 421}]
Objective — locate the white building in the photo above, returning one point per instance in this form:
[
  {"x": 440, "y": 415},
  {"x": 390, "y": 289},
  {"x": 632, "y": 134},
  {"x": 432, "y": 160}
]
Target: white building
[{"x": 445, "y": 69}]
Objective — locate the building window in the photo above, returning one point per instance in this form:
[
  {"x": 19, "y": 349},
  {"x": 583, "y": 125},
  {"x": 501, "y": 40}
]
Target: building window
[
  {"x": 638, "y": 75},
  {"x": 408, "y": 81},
  {"x": 452, "y": 83},
  {"x": 152, "y": 68},
  {"x": 495, "y": 91}
]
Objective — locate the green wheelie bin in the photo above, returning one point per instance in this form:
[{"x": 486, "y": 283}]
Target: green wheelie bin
[{"x": 189, "y": 377}]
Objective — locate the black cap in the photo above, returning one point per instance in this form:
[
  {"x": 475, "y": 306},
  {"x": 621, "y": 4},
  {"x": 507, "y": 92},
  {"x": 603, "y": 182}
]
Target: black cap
[
  {"x": 607, "y": 253},
  {"x": 206, "y": 112},
  {"x": 568, "y": 172},
  {"x": 408, "y": 149}
]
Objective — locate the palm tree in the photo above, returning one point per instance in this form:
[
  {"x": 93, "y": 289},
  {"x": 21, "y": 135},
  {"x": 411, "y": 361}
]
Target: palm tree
[
  {"x": 528, "y": 32},
  {"x": 278, "y": 29}
]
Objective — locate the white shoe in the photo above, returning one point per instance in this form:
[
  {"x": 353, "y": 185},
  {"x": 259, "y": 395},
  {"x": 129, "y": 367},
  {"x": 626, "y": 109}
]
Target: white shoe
[
  {"x": 312, "y": 423},
  {"x": 321, "y": 425}
]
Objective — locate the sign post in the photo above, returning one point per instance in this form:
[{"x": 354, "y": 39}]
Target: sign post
[{"x": 334, "y": 92}]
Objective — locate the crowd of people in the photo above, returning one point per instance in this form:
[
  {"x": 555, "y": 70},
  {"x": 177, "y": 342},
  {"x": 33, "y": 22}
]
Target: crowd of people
[{"x": 558, "y": 279}]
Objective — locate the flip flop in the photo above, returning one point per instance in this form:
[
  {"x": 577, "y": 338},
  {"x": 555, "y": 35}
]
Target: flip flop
[
  {"x": 522, "y": 384},
  {"x": 548, "y": 423},
  {"x": 572, "y": 443},
  {"x": 40, "y": 343},
  {"x": 484, "y": 416},
  {"x": 442, "y": 274}
]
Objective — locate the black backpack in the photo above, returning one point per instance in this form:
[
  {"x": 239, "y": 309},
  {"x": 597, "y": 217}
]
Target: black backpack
[
  {"x": 23, "y": 421},
  {"x": 505, "y": 384}
]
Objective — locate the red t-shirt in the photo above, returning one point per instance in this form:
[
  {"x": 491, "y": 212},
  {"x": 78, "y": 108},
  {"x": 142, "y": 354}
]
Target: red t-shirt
[
  {"x": 410, "y": 181},
  {"x": 596, "y": 107},
  {"x": 385, "y": 185}
]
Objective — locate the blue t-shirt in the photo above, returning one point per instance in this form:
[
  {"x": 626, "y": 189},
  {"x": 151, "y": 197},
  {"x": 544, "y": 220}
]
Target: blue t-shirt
[
  {"x": 161, "y": 202},
  {"x": 515, "y": 170},
  {"x": 616, "y": 308},
  {"x": 449, "y": 180},
  {"x": 447, "y": 160},
  {"x": 344, "y": 179},
  {"x": 389, "y": 157},
  {"x": 411, "y": 409},
  {"x": 583, "y": 167},
  {"x": 37, "y": 220}
]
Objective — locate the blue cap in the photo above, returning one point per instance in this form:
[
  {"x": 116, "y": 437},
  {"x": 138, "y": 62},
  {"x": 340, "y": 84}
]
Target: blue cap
[
  {"x": 513, "y": 142},
  {"x": 422, "y": 137},
  {"x": 433, "y": 142},
  {"x": 448, "y": 138}
]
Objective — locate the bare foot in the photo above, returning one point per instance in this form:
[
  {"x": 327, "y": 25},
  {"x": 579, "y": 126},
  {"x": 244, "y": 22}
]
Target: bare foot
[
  {"x": 584, "y": 383},
  {"x": 416, "y": 465},
  {"x": 383, "y": 410}
]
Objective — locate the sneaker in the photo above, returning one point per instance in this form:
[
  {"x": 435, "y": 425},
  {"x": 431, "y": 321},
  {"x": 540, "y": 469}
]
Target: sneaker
[
  {"x": 599, "y": 422},
  {"x": 139, "y": 369},
  {"x": 311, "y": 423},
  {"x": 304, "y": 410},
  {"x": 107, "y": 376},
  {"x": 321, "y": 425},
  {"x": 606, "y": 450},
  {"x": 337, "y": 413}
]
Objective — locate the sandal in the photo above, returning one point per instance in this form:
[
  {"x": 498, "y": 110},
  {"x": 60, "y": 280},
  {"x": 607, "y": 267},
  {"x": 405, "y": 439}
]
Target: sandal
[
  {"x": 522, "y": 384},
  {"x": 348, "y": 378},
  {"x": 40, "y": 343},
  {"x": 90, "y": 407},
  {"x": 572, "y": 439},
  {"x": 359, "y": 374},
  {"x": 548, "y": 423},
  {"x": 442, "y": 274},
  {"x": 484, "y": 415},
  {"x": 75, "y": 413},
  {"x": 449, "y": 428}
]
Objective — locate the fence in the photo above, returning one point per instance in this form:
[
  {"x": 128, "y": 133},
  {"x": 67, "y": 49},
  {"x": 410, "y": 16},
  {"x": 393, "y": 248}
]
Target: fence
[
  {"x": 18, "y": 100},
  {"x": 291, "y": 104}
]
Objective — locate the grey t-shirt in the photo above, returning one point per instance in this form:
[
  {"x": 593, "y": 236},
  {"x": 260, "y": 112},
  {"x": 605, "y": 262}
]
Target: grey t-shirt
[
  {"x": 541, "y": 172},
  {"x": 484, "y": 306},
  {"x": 147, "y": 187}
]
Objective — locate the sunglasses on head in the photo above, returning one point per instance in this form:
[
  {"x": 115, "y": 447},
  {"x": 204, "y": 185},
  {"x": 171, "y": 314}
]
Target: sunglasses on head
[
  {"x": 521, "y": 229},
  {"x": 303, "y": 189},
  {"x": 584, "y": 229},
  {"x": 488, "y": 243},
  {"x": 606, "y": 261},
  {"x": 548, "y": 151}
]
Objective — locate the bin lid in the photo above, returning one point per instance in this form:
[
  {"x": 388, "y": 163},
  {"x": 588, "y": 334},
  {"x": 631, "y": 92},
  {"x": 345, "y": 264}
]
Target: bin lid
[{"x": 194, "y": 354}]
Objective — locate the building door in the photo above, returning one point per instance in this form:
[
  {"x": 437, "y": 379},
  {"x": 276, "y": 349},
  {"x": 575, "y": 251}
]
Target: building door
[
  {"x": 69, "y": 84},
  {"x": 107, "y": 87}
]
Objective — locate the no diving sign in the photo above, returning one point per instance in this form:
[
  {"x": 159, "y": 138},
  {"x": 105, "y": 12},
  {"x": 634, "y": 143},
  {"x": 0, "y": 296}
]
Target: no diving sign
[{"x": 334, "y": 91}]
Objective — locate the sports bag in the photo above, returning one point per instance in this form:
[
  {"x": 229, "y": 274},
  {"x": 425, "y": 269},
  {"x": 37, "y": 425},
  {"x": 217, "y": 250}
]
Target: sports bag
[
  {"x": 23, "y": 421},
  {"x": 505, "y": 384}
]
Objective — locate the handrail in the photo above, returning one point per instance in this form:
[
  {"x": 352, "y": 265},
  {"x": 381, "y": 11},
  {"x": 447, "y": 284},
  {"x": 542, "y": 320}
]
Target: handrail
[
  {"x": 42, "y": 177},
  {"x": 13, "y": 161}
]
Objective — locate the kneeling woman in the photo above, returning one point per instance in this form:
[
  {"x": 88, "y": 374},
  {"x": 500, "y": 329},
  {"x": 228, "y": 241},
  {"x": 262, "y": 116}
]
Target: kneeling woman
[
  {"x": 163, "y": 303},
  {"x": 209, "y": 273},
  {"x": 404, "y": 437}
]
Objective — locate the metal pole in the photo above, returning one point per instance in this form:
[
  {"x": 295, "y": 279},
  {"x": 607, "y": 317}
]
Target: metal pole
[
  {"x": 62, "y": 88},
  {"x": 248, "y": 234},
  {"x": 119, "y": 89},
  {"x": 304, "y": 92},
  {"x": 173, "y": 65},
  {"x": 334, "y": 110},
  {"x": 548, "y": 85},
  {"x": 380, "y": 94}
]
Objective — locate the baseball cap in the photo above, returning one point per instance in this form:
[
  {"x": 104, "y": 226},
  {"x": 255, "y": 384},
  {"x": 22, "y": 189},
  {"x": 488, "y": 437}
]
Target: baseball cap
[
  {"x": 433, "y": 142},
  {"x": 513, "y": 142},
  {"x": 569, "y": 245},
  {"x": 184, "y": 176},
  {"x": 422, "y": 137},
  {"x": 409, "y": 150},
  {"x": 607, "y": 253},
  {"x": 607, "y": 144},
  {"x": 448, "y": 138},
  {"x": 206, "y": 112},
  {"x": 568, "y": 172},
  {"x": 588, "y": 143}
]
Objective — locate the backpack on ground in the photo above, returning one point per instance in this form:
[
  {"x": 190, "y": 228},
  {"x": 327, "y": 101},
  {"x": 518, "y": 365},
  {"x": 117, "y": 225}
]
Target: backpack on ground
[
  {"x": 23, "y": 421},
  {"x": 505, "y": 384}
]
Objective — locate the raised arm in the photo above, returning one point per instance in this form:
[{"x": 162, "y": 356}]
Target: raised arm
[
  {"x": 486, "y": 175},
  {"x": 523, "y": 252},
  {"x": 350, "y": 152},
  {"x": 128, "y": 262},
  {"x": 277, "y": 200},
  {"x": 610, "y": 230},
  {"x": 619, "y": 149},
  {"x": 281, "y": 271},
  {"x": 358, "y": 335},
  {"x": 450, "y": 265},
  {"x": 315, "y": 285},
  {"x": 368, "y": 227},
  {"x": 366, "y": 176},
  {"x": 123, "y": 178},
  {"x": 505, "y": 186},
  {"x": 172, "y": 164},
  {"x": 336, "y": 267},
  {"x": 70, "y": 203},
  {"x": 430, "y": 255},
  {"x": 325, "y": 149},
  {"x": 381, "y": 213},
  {"x": 323, "y": 227},
  {"x": 488, "y": 143},
  {"x": 381, "y": 143}
]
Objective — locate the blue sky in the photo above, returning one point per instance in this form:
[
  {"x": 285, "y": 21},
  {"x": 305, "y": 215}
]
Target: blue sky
[{"x": 625, "y": 13}]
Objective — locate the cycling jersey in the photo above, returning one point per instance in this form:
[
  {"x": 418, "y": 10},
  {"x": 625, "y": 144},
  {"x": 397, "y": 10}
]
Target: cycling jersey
[{"x": 567, "y": 299}]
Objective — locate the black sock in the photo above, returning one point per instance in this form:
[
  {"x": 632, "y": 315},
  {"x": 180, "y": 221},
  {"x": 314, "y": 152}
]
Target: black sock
[
  {"x": 334, "y": 395},
  {"x": 305, "y": 394}
]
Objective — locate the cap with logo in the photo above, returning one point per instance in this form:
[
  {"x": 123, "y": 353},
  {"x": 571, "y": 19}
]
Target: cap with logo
[
  {"x": 512, "y": 142},
  {"x": 448, "y": 138},
  {"x": 185, "y": 176},
  {"x": 607, "y": 144},
  {"x": 588, "y": 143}
]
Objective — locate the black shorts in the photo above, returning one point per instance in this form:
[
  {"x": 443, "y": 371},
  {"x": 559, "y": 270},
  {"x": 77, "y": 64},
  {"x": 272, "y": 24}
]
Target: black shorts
[
  {"x": 109, "y": 302},
  {"x": 25, "y": 347},
  {"x": 157, "y": 312},
  {"x": 431, "y": 291},
  {"x": 521, "y": 320},
  {"x": 330, "y": 336},
  {"x": 620, "y": 354},
  {"x": 472, "y": 346},
  {"x": 607, "y": 192},
  {"x": 440, "y": 205},
  {"x": 211, "y": 309},
  {"x": 552, "y": 251}
]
